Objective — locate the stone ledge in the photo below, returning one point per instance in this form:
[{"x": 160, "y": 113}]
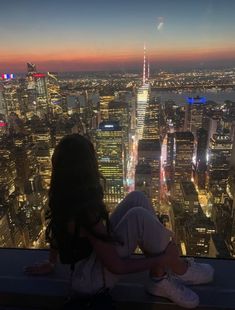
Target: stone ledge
[{"x": 20, "y": 291}]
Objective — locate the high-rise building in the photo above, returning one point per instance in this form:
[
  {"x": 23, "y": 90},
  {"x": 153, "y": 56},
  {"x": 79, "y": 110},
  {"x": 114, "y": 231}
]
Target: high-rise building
[
  {"x": 42, "y": 139},
  {"x": 31, "y": 68},
  {"x": 198, "y": 230},
  {"x": 143, "y": 178},
  {"x": 54, "y": 93},
  {"x": 143, "y": 96},
  {"x": 189, "y": 198},
  {"x": 109, "y": 148},
  {"x": 183, "y": 156},
  {"x": 119, "y": 112},
  {"x": 201, "y": 165},
  {"x": 130, "y": 98},
  {"x": 11, "y": 100},
  {"x": 104, "y": 106},
  {"x": 194, "y": 114},
  {"x": 220, "y": 150},
  {"x": 169, "y": 168},
  {"x": 149, "y": 152},
  {"x": 151, "y": 122}
]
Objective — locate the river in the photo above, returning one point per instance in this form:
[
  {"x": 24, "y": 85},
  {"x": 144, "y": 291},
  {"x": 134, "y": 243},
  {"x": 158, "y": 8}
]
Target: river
[{"x": 218, "y": 96}]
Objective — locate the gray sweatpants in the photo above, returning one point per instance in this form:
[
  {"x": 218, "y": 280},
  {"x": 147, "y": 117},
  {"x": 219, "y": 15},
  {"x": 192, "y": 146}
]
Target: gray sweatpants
[{"x": 135, "y": 223}]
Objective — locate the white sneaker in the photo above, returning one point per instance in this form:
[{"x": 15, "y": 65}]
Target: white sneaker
[
  {"x": 170, "y": 288},
  {"x": 196, "y": 273}
]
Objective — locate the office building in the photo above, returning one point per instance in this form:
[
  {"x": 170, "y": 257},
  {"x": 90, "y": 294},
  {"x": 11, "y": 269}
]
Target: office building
[
  {"x": 104, "y": 106},
  {"x": 143, "y": 178},
  {"x": 195, "y": 114},
  {"x": 183, "y": 156},
  {"x": 220, "y": 150},
  {"x": 149, "y": 152},
  {"x": 109, "y": 148},
  {"x": 151, "y": 129},
  {"x": 143, "y": 96}
]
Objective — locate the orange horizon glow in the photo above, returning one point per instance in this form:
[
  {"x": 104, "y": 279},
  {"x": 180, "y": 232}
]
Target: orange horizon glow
[{"x": 106, "y": 58}]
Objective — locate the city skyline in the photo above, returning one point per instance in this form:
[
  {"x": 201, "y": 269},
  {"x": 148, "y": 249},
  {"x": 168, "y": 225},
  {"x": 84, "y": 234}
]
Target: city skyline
[{"x": 106, "y": 35}]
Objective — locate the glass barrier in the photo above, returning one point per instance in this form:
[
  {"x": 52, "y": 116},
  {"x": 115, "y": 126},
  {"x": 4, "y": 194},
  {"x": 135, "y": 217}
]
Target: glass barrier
[{"x": 162, "y": 122}]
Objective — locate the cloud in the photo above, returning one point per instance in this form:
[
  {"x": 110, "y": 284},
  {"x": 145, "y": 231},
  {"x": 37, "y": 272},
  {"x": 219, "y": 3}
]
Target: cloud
[{"x": 160, "y": 23}]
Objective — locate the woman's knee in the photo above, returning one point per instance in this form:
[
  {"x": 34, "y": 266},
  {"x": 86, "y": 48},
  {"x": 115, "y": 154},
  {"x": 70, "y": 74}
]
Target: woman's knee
[
  {"x": 138, "y": 212},
  {"x": 137, "y": 196}
]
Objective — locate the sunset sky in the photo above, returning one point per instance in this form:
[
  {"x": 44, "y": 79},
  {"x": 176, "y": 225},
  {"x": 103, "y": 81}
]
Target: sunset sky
[{"x": 81, "y": 35}]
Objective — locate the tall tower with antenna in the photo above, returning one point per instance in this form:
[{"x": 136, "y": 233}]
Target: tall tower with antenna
[
  {"x": 144, "y": 66},
  {"x": 143, "y": 94}
]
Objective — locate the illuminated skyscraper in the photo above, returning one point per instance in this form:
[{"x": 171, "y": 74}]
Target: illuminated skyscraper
[
  {"x": 202, "y": 141},
  {"x": 143, "y": 178},
  {"x": 2, "y": 102},
  {"x": 119, "y": 112},
  {"x": 42, "y": 139},
  {"x": 183, "y": 156},
  {"x": 194, "y": 114},
  {"x": 143, "y": 95},
  {"x": 149, "y": 152},
  {"x": 31, "y": 68},
  {"x": 10, "y": 96},
  {"x": 220, "y": 150},
  {"x": 104, "y": 106},
  {"x": 169, "y": 169},
  {"x": 109, "y": 148},
  {"x": 53, "y": 88},
  {"x": 151, "y": 122}
]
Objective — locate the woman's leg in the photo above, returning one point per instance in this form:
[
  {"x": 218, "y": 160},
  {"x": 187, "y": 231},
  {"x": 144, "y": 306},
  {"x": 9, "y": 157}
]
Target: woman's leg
[
  {"x": 138, "y": 227},
  {"x": 137, "y": 199},
  {"x": 132, "y": 200}
]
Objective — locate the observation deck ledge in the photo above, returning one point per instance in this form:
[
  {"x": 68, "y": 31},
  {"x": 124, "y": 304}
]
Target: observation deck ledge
[{"x": 19, "y": 291}]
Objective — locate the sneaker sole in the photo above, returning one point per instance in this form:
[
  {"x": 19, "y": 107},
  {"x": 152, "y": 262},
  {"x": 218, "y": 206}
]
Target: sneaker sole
[
  {"x": 209, "y": 280},
  {"x": 188, "y": 305}
]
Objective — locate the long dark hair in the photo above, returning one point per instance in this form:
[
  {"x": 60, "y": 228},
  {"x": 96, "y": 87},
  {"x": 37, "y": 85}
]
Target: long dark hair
[{"x": 75, "y": 190}]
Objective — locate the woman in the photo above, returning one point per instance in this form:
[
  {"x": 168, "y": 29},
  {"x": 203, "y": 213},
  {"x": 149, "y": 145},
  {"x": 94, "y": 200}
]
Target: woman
[{"x": 106, "y": 244}]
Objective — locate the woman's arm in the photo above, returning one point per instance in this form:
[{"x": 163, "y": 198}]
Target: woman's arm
[{"x": 110, "y": 258}]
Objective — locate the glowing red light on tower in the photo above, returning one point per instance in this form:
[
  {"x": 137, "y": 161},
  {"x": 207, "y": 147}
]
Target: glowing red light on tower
[
  {"x": 39, "y": 75},
  {"x": 3, "y": 124}
]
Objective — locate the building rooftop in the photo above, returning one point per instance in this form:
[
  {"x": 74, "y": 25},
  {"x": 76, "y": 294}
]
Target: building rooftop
[
  {"x": 149, "y": 145},
  {"x": 189, "y": 189},
  {"x": 117, "y": 105},
  {"x": 19, "y": 291},
  {"x": 182, "y": 135}
]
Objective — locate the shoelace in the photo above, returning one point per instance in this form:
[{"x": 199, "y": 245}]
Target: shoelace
[{"x": 176, "y": 283}]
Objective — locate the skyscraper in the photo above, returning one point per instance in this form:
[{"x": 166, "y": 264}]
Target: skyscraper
[
  {"x": 149, "y": 152},
  {"x": 220, "y": 150},
  {"x": 109, "y": 148},
  {"x": 194, "y": 114},
  {"x": 31, "y": 68},
  {"x": 201, "y": 166},
  {"x": 143, "y": 95},
  {"x": 119, "y": 111},
  {"x": 103, "y": 106},
  {"x": 143, "y": 178},
  {"x": 183, "y": 156},
  {"x": 151, "y": 122}
]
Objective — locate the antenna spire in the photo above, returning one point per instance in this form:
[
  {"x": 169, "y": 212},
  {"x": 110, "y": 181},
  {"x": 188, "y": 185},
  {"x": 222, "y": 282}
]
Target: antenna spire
[
  {"x": 148, "y": 70},
  {"x": 144, "y": 66}
]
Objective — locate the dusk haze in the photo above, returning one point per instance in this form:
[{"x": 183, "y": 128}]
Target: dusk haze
[{"x": 77, "y": 35}]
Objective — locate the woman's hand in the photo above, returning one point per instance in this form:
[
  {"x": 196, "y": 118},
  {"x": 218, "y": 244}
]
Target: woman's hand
[{"x": 43, "y": 268}]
